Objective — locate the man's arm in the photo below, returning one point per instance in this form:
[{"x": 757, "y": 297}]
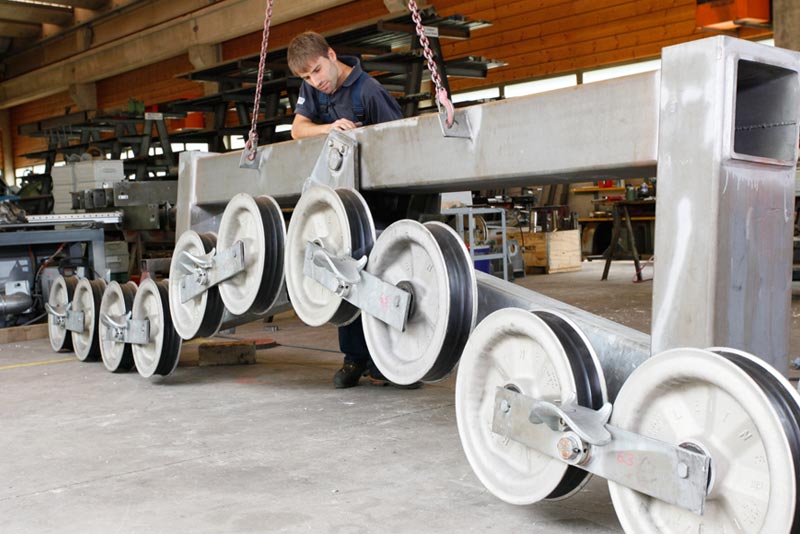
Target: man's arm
[{"x": 303, "y": 127}]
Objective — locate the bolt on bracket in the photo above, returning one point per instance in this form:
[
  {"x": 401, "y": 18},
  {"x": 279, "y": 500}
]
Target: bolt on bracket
[
  {"x": 123, "y": 329},
  {"x": 346, "y": 277},
  {"x": 667, "y": 472},
  {"x": 210, "y": 269}
]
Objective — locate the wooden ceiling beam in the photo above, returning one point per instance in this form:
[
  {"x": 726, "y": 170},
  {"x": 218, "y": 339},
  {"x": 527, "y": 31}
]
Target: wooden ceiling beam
[
  {"x": 83, "y": 4},
  {"x": 16, "y": 30},
  {"x": 35, "y": 13}
]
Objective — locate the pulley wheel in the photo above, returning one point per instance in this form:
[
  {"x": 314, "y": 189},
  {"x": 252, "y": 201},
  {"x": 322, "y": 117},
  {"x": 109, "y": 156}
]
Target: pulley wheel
[
  {"x": 732, "y": 407},
  {"x": 87, "y": 297},
  {"x": 61, "y": 294},
  {"x": 341, "y": 221},
  {"x": 200, "y": 316},
  {"x": 539, "y": 354},
  {"x": 431, "y": 262},
  {"x": 160, "y": 356},
  {"x": 258, "y": 223},
  {"x": 117, "y": 301}
]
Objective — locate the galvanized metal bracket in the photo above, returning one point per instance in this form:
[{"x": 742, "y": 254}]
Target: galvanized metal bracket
[
  {"x": 250, "y": 158},
  {"x": 59, "y": 314},
  {"x": 210, "y": 269},
  {"x": 337, "y": 164},
  {"x": 346, "y": 277},
  {"x": 123, "y": 329},
  {"x": 460, "y": 127},
  {"x": 669, "y": 473},
  {"x": 68, "y": 318},
  {"x": 588, "y": 424}
]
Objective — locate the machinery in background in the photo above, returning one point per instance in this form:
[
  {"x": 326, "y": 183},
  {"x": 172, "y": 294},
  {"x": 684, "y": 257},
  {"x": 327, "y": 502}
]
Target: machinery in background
[{"x": 104, "y": 226}]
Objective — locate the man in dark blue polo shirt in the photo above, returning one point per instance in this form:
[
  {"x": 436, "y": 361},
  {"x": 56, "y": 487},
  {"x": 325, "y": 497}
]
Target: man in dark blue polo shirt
[{"x": 339, "y": 95}]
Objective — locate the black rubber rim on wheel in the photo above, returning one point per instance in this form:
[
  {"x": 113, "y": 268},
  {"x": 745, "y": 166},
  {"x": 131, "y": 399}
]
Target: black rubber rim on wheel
[
  {"x": 98, "y": 287},
  {"x": 126, "y": 361},
  {"x": 212, "y": 318},
  {"x": 171, "y": 344},
  {"x": 361, "y": 240},
  {"x": 459, "y": 323},
  {"x": 786, "y": 407},
  {"x": 588, "y": 386},
  {"x": 274, "y": 233}
]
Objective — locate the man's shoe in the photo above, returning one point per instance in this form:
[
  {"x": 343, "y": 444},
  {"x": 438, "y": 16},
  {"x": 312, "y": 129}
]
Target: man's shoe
[
  {"x": 377, "y": 379},
  {"x": 348, "y": 375}
]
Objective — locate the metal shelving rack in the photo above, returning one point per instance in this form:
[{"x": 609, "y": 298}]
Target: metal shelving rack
[{"x": 470, "y": 212}]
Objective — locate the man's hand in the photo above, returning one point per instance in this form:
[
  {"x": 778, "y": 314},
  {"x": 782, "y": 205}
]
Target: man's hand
[
  {"x": 342, "y": 125},
  {"x": 305, "y": 127}
]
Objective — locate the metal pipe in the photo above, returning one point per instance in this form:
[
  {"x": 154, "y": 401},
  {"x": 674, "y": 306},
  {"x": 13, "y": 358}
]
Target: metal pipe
[
  {"x": 15, "y": 304},
  {"x": 619, "y": 349}
]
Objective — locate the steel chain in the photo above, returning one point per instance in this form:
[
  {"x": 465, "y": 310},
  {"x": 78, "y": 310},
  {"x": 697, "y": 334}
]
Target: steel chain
[
  {"x": 252, "y": 138},
  {"x": 442, "y": 99}
]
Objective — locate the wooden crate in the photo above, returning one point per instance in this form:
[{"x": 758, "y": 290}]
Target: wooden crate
[{"x": 551, "y": 252}]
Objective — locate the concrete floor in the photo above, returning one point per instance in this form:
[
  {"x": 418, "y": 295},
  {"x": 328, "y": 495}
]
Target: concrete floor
[{"x": 264, "y": 448}]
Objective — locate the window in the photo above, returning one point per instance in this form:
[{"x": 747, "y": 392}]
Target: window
[
  {"x": 621, "y": 70},
  {"x": 480, "y": 94},
  {"x": 540, "y": 86}
]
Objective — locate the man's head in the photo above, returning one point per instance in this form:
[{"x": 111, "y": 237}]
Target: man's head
[{"x": 312, "y": 59}]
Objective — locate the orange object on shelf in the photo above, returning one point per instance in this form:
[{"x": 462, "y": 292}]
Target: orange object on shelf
[{"x": 731, "y": 14}]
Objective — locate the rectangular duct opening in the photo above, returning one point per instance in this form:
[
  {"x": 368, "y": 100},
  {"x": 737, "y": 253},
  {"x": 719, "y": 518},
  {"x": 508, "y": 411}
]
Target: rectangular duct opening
[{"x": 767, "y": 100}]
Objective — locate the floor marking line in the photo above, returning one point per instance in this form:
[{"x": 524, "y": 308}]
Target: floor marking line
[{"x": 31, "y": 364}]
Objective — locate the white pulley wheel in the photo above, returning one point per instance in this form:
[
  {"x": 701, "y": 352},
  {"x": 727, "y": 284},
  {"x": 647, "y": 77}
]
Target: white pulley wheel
[
  {"x": 200, "y": 316},
  {"x": 541, "y": 355},
  {"x": 258, "y": 223},
  {"x": 61, "y": 294},
  {"x": 86, "y": 299},
  {"x": 117, "y": 303},
  {"x": 736, "y": 410},
  {"x": 161, "y": 354},
  {"x": 341, "y": 222},
  {"x": 431, "y": 262}
]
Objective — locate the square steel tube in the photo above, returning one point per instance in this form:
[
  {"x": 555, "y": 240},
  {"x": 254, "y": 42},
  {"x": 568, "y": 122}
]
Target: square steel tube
[{"x": 727, "y": 155}]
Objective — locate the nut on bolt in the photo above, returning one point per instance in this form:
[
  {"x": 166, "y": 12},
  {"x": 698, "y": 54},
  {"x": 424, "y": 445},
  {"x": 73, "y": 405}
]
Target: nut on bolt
[{"x": 569, "y": 448}]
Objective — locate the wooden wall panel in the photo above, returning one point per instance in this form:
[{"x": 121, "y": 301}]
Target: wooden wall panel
[
  {"x": 540, "y": 38},
  {"x": 153, "y": 84},
  {"x": 334, "y": 19},
  {"x": 31, "y": 112}
]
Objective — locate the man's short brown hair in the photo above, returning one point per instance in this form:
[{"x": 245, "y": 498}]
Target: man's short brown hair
[{"x": 304, "y": 49}]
